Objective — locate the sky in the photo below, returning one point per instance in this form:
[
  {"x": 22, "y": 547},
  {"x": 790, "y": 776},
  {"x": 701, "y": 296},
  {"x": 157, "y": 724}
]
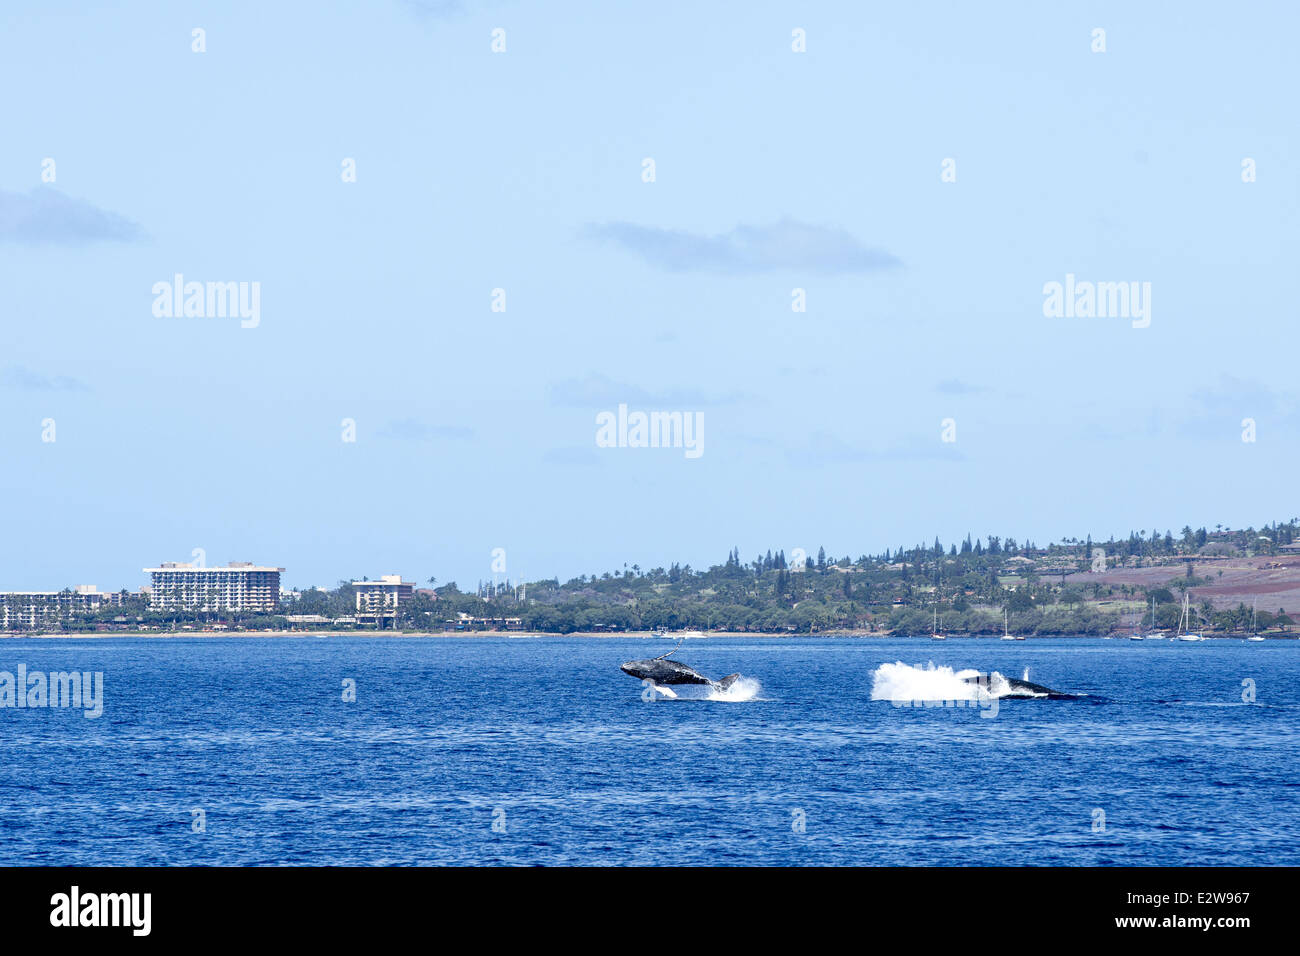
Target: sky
[{"x": 920, "y": 171}]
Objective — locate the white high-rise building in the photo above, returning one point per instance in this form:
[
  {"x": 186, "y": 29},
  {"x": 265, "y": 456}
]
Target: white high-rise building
[
  {"x": 239, "y": 586},
  {"x": 378, "y": 601}
]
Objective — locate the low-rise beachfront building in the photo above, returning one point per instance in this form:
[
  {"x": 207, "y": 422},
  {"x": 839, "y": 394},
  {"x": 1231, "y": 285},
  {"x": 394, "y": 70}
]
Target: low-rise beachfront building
[
  {"x": 378, "y": 601},
  {"x": 239, "y": 586},
  {"x": 29, "y": 610},
  {"x": 308, "y": 620},
  {"x": 467, "y": 622}
]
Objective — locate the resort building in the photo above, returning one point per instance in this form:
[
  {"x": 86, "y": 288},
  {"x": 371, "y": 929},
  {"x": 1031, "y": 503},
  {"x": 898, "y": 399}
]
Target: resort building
[
  {"x": 467, "y": 622},
  {"x": 308, "y": 620},
  {"x": 378, "y": 601},
  {"x": 239, "y": 586},
  {"x": 30, "y": 610}
]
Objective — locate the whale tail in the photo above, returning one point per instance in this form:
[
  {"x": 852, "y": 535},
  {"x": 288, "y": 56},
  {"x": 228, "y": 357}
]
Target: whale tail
[{"x": 727, "y": 681}]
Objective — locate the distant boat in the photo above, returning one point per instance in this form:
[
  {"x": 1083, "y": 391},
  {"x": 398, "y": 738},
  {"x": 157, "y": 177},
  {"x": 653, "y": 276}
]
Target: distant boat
[
  {"x": 1136, "y": 635},
  {"x": 1254, "y": 620},
  {"x": 934, "y": 631},
  {"x": 1006, "y": 632},
  {"x": 1185, "y": 622},
  {"x": 1154, "y": 635}
]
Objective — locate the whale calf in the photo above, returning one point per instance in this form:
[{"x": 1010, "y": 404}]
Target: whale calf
[{"x": 665, "y": 672}]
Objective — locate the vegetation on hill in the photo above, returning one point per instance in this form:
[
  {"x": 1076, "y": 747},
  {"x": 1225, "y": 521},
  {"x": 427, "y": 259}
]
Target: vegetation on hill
[{"x": 1043, "y": 590}]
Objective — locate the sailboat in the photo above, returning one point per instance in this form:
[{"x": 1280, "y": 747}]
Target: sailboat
[
  {"x": 1154, "y": 635},
  {"x": 1006, "y": 633},
  {"x": 1254, "y": 620},
  {"x": 1185, "y": 622},
  {"x": 934, "y": 631}
]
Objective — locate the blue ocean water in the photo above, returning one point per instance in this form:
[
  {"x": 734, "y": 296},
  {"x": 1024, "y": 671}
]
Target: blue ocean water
[{"x": 545, "y": 738}]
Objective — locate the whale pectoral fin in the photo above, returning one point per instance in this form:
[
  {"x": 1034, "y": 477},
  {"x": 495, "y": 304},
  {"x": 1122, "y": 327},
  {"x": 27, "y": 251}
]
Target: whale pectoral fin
[
  {"x": 664, "y": 691},
  {"x": 728, "y": 681}
]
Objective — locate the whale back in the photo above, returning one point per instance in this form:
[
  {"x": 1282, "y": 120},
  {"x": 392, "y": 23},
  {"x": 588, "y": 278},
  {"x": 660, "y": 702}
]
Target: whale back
[{"x": 1021, "y": 688}]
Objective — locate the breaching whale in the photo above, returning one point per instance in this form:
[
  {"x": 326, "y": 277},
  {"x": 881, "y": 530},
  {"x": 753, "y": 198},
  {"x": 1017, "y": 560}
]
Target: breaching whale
[
  {"x": 999, "y": 685},
  {"x": 663, "y": 672}
]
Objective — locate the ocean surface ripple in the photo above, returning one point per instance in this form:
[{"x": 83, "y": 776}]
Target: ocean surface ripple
[{"x": 540, "y": 751}]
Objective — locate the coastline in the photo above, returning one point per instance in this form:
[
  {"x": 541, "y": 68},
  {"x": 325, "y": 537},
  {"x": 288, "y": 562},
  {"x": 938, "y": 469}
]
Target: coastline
[
  {"x": 398, "y": 635},
  {"x": 596, "y": 635}
]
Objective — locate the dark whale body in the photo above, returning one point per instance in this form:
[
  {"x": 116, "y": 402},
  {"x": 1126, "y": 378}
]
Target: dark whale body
[
  {"x": 1022, "y": 688},
  {"x": 666, "y": 672}
]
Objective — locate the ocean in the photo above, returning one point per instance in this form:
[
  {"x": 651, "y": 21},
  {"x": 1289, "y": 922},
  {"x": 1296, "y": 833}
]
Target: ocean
[{"x": 538, "y": 750}]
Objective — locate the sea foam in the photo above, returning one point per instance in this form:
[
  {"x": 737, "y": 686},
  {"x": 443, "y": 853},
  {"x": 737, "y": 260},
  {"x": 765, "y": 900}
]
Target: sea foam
[{"x": 903, "y": 683}]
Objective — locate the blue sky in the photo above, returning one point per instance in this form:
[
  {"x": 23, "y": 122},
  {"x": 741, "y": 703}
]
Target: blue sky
[{"x": 522, "y": 170}]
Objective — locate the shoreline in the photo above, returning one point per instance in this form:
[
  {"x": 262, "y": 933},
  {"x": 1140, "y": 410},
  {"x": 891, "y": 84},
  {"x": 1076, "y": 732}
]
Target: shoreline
[{"x": 597, "y": 635}]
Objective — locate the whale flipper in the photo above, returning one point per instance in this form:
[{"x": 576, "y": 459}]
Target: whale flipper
[{"x": 728, "y": 681}]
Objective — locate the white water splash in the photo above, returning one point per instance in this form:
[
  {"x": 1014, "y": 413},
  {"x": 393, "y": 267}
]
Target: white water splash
[
  {"x": 903, "y": 683},
  {"x": 741, "y": 689}
]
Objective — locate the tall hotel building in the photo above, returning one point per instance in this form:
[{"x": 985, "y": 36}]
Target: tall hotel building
[
  {"x": 378, "y": 601},
  {"x": 239, "y": 586}
]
